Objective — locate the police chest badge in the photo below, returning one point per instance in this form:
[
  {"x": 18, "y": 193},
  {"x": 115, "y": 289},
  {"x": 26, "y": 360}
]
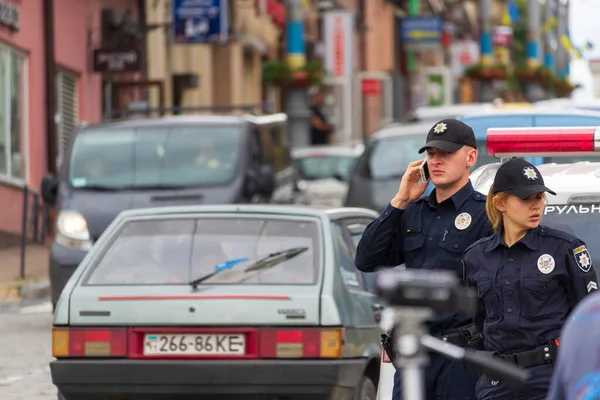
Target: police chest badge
[
  {"x": 545, "y": 263},
  {"x": 462, "y": 221},
  {"x": 582, "y": 258}
]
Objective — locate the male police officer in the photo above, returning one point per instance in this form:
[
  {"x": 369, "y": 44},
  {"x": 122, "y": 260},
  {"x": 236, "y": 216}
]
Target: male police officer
[{"x": 432, "y": 232}]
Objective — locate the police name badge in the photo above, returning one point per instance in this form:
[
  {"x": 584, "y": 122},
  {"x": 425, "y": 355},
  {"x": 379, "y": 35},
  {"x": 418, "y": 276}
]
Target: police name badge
[
  {"x": 582, "y": 258},
  {"x": 545, "y": 263},
  {"x": 462, "y": 221}
]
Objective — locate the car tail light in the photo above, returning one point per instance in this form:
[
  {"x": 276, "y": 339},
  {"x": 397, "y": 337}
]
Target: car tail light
[
  {"x": 89, "y": 342},
  {"x": 508, "y": 142},
  {"x": 300, "y": 343}
]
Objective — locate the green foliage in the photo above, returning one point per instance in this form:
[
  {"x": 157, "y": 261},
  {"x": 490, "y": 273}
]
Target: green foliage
[
  {"x": 279, "y": 73},
  {"x": 519, "y": 40}
]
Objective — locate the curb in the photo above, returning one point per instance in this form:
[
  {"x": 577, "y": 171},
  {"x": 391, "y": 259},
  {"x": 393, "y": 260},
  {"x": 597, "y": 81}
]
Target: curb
[{"x": 18, "y": 292}]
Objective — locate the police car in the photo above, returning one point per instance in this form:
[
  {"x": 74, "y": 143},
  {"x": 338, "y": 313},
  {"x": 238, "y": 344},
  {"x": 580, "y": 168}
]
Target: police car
[{"x": 576, "y": 206}]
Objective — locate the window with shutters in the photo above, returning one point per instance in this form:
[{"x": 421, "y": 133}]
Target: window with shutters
[
  {"x": 66, "y": 110},
  {"x": 13, "y": 126}
]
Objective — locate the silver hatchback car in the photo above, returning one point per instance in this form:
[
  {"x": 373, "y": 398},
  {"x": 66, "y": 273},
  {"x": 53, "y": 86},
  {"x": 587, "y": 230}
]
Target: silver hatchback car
[{"x": 221, "y": 302}]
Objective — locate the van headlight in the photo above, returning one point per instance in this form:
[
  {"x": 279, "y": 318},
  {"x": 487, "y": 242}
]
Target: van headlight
[{"x": 72, "y": 231}]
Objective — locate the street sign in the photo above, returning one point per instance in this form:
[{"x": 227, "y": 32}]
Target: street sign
[
  {"x": 421, "y": 33},
  {"x": 200, "y": 21}
]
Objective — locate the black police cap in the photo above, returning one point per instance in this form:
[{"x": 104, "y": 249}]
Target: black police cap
[
  {"x": 520, "y": 178},
  {"x": 449, "y": 135}
]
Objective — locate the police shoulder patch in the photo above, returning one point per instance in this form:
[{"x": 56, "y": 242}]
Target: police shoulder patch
[{"x": 582, "y": 258}]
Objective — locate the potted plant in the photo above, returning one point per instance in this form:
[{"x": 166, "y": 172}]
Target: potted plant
[
  {"x": 485, "y": 72},
  {"x": 279, "y": 73}
]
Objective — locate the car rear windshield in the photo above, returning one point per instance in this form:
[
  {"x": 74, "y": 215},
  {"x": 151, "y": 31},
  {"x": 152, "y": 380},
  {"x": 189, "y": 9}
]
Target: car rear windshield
[
  {"x": 146, "y": 157},
  {"x": 324, "y": 166},
  {"x": 581, "y": 220},
  {"x": 244, "y": 251}
]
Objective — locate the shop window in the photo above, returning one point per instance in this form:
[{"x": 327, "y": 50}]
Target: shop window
[
  {"x": 13, "y": 127},
  {"x": 66, "y": 110}
]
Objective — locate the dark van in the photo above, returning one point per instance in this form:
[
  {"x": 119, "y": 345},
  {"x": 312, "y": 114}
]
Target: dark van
[{"x": 181, "y": 160}]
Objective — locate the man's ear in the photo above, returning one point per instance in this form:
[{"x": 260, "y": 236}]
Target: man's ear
[{"x": 471, "y": 157}]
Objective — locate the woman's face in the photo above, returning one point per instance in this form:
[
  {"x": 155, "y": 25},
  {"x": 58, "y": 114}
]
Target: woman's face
[{"x": 523, "y": 213}]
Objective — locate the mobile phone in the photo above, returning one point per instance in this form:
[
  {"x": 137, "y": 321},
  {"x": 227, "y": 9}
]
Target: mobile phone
[{"x": 424, "y": 171}]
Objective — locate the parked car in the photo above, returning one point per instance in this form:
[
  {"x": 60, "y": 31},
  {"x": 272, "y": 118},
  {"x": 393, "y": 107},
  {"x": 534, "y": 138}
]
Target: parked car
[
  {"x": 575, "y": 208},
  {"x": 325, "y": 171},
  {"x": 377, "y": 175},
  {"x": 222, "y": 301},
  {"x": 148, "y": 162}
]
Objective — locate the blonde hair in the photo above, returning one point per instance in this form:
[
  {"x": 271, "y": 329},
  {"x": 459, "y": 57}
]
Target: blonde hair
[{"x": 494, "y": 215}]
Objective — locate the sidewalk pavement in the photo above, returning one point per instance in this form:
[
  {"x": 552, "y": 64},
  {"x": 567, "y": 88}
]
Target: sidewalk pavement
[{"x": 35, "y": 285}]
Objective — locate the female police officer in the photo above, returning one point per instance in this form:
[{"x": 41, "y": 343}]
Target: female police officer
[{"x": 528, "y": 278}]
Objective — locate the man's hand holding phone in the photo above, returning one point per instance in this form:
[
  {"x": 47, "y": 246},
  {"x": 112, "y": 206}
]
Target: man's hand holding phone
[{"x": 411, "y": 187}]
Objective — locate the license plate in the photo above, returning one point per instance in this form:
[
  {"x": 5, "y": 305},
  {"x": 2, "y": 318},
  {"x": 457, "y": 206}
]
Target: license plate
[{"x": 195, "y": 344}]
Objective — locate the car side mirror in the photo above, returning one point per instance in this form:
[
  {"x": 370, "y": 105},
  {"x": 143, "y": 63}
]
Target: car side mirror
[
  {"x": 49, "y": 188},
  {"x": 266, "y": 181}
]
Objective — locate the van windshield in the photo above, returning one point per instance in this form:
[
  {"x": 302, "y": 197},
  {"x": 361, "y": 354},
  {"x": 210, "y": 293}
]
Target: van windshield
[{"x": 165, "y": 157}]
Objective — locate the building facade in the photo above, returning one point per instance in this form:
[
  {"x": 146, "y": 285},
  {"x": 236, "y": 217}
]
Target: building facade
[
  {"x": 24, "y": 104},
  {"x": 228, "y": 74}
]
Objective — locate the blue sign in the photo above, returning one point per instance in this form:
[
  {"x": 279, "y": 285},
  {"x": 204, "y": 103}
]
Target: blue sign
[
  {"x": 200, "y": 21},
  {"x": 418, "y": 33}
]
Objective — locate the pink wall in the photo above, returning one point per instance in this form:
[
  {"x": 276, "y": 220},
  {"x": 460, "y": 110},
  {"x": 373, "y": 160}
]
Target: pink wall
[
  {"x": 29, "y": 39},
  {"x": 77, "y": 26},
  {"x": 77, "y": 33}
]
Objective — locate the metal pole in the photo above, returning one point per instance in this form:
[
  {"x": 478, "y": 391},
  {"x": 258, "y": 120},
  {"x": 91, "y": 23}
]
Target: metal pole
[
  {"x": 534, "y": 91},
  {"x": 413, "y": 10},
  {"x": 567, "y": 68},
  {"x": 486, "y": 89},
  {"x": 533, "y": 33},
  {"x": 24, "y": 231},
  {"x": 296, "y": 102},
  {"x": 560, "y": 30},
  {"x": 550, "y": 43}
]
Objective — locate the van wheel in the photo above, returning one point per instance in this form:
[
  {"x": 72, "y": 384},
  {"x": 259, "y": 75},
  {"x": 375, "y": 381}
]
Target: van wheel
[{"x": 366, "y": 390}]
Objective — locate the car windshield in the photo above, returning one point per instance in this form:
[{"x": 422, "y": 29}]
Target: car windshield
[
  {"x": 179, "y": 251},
  {"x": 313, "y": 167},
  {"x": 388, "y": 157},
  {"x": 581, "y": 220},
  {"x": 155, "y": 157}
]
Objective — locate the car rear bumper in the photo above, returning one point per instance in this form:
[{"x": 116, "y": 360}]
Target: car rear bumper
[{"x": 228, "y": 379}]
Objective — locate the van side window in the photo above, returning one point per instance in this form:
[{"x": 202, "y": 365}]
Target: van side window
[
  {"x": 276, "y": 148},
  {"x": 257, "y": 150}
]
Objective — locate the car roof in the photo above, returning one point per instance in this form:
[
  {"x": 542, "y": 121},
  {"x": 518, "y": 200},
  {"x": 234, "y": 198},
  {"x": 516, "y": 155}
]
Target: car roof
[
  {"x": 187, "y": 119},
  {"x": 331, "y": 150},
  {"x": 402, "y": 129},
  {"x": 399, "y": 129},
  {"x": 265, "y": 209},
  {"x": 532, "y": 112},
  {"x": 580, "y": 178}
]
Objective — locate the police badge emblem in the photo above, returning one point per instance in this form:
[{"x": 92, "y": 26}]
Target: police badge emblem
[
  {"x": 545, "y": 263},
  {"x": 440, "y": 128},
  {"x": 462, "y": 221},
  {"x": 582, "y": 258}
]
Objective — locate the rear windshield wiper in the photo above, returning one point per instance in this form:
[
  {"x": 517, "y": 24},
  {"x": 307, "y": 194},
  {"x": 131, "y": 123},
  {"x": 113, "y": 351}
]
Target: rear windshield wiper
[{"x": 266, "y": 262}]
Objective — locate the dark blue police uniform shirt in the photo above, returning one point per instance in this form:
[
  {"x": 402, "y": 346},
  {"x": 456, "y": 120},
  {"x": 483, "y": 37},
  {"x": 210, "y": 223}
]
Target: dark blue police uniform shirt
[
  {"x": 428, "y": 235},
  {"x": 527, "y": 291},
  {"x": 577, "y": 375}
]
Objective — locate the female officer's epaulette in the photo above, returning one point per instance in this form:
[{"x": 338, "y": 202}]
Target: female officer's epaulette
[{"x": 556, "y": 233}]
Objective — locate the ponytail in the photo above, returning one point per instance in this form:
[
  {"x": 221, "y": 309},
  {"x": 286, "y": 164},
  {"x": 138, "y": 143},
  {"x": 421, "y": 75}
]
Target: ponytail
[{"x": 494, "y": 215}]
